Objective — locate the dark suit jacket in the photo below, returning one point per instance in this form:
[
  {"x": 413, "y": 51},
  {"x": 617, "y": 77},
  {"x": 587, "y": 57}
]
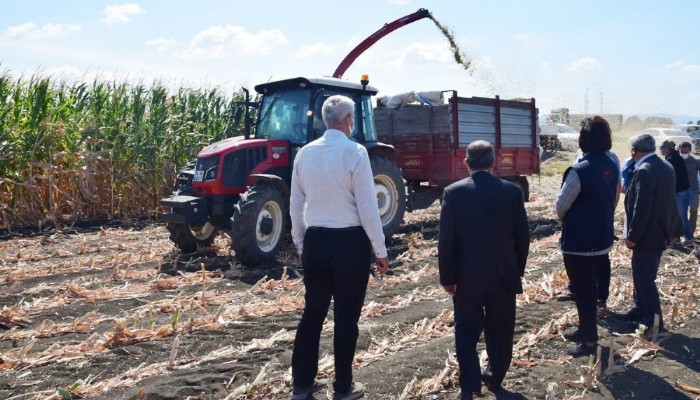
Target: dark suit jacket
[
  {"x": 484, "y": 237},
  {"x": 650, "y": 205}
]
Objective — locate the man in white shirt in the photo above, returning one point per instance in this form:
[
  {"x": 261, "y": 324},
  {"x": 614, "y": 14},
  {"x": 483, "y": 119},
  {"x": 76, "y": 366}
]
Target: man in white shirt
[{"x": 335, "y": 227}]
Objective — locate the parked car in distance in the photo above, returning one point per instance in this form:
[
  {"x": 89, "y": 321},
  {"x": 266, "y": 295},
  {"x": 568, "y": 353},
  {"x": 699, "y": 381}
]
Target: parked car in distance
[
  {"x": 693, "y": 131},
  {"x": 676, "y": 135},
  {"x": 555, "y": 136}
]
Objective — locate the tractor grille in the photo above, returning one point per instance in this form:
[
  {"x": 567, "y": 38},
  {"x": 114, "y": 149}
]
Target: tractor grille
[{"x": 239, "y": 164}]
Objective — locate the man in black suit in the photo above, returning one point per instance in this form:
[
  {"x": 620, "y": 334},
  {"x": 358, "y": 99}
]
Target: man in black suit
[
  {"x": 482, "y": 251},
  {"x": 650, "y": 205}
]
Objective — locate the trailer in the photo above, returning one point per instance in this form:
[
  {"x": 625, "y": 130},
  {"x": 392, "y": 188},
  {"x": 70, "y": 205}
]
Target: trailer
[{"x": 431, "y": 140}]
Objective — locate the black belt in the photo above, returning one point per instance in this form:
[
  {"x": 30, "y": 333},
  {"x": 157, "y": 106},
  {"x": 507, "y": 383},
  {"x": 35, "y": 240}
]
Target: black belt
[{"x": 346, "y": 229}]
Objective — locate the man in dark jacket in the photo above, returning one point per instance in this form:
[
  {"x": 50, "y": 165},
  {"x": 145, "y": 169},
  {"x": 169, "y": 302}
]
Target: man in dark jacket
[
  {"x": 482, "y": 251},
  {"x": 683, "y": 192},
  {"x": 651, "y": 212}
]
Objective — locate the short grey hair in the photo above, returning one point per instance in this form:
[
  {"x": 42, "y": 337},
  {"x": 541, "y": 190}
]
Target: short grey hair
[
  {"x": 480, "y": 155},
  {"x": 643, "y": 143},
  {"x": 336, "y": 108}
]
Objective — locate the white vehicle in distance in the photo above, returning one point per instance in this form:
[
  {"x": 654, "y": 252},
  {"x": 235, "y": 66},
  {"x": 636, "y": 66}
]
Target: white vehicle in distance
[
  {"x": 566, "y": 136},
  {"x": 676, "y": 135}
]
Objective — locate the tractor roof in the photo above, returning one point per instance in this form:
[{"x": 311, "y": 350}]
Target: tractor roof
[{"x": 314, "y": 82}]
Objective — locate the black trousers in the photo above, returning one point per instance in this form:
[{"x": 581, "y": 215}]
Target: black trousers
[
  {"x": 494, "y": 314},
  {"x": 603, "y": 272},
  {"x": 336, "y": 265},
  {"x": 582, "y": 271},
  {"x": 645, "y": 265}
]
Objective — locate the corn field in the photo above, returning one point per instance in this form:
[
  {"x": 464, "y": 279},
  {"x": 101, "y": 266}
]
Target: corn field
[{"x": 100, "y": 150}]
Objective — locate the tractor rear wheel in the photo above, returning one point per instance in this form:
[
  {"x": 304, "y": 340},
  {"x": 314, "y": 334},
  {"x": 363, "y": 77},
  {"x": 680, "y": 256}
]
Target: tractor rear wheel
[
  {"x": 391, "y": 193},
  {"x": 189, "y": 238},
  {"x": 258, "y": 225}
]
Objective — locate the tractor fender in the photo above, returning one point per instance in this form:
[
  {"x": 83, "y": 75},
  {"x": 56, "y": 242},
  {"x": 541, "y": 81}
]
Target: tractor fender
[
  {"x": 382, "y": 149},
  {"x": 274, "y": 181}
]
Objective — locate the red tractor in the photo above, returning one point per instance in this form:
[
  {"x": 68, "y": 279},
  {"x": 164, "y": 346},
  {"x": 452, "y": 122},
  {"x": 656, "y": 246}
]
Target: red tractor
[{"x": 241, "y": 185}]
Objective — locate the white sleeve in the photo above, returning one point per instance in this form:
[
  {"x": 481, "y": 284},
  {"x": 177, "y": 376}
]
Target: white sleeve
[{"x": 366, "y": 200}]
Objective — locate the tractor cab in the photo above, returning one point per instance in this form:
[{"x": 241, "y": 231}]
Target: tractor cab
[{"x": 291, "y": 109}]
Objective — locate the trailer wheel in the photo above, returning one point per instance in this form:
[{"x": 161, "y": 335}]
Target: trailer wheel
[
  {"x": 258, "y": 225},
  {"x": 391, "y": 193},
  {"x": 189, "y": 238},
  {"x": 523, "y": 184}
]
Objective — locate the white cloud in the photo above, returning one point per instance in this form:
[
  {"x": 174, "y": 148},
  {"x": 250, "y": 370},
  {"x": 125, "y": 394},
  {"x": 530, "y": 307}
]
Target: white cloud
[
  {"x": 162, "y": 44},
  {"x": 30, "y": 31},
  {"x": 434, "y": 52},
  {"x": 120, "y": 13},
  {"x": 675, "y": 64},
  {"x": 683, "y": 67},
  {"x": 225, "y": 41},
  {"x": 313, "y": 50},
  {"x": 585, "y": 64}
]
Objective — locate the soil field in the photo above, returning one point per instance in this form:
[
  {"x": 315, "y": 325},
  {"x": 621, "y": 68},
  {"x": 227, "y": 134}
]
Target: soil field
[{"x": 116, "y": 313}]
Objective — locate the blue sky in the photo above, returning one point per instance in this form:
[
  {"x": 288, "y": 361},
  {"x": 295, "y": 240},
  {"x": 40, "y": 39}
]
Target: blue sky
[{"x": 641, "y": 57}]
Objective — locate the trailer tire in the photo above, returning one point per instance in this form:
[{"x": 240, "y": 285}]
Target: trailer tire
[
  {"x": 258, "y": 225},
  {"x": 391, "y": 193},
  {"x": 189, "y": 238},
  {"x": 523, "y": 184}
]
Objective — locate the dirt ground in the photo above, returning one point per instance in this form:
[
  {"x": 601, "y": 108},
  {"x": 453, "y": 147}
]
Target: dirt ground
[{"x": 115, "y": 313}]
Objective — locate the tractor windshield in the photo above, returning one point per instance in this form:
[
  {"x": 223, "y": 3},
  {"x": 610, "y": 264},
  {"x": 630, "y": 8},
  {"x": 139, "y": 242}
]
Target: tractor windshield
[
  {"x": 288, "y": 115},
  {"x": 284, "y": 115}
]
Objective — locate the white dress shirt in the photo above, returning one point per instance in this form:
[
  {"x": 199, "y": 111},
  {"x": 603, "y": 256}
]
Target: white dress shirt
[{"x": 333, "y": 187}]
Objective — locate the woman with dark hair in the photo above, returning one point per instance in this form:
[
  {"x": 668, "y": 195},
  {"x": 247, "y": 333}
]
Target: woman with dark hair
[{"x": 586, "y": 207}]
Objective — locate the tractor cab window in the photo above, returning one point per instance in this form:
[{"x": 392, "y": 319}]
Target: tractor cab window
[
  {"x": 363, "y": 129},
  {"x": 367, "y": 117},
  {"x": 284, "y": 115}
]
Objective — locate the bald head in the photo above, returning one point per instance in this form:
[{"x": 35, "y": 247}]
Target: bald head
[{"x": 480, "y": 155}]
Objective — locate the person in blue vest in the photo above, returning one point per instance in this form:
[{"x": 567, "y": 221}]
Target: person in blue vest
[{"x": 586, "y": 207}]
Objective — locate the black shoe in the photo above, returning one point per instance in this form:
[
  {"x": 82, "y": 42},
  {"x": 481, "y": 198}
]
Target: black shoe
[
  {"x": 566, "y": 297},
  {"x": 582, "y": 350},
  {"x": 573, "y": 336},
  {"x": 487, "y": 378},
  {"x": 633, "y": 315},
  {"x": 467, "y": 395},
  {"x": 601, "y": 303}
]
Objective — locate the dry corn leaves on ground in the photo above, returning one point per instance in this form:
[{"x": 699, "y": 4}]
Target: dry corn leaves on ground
[{"x": 117, "y": 313}]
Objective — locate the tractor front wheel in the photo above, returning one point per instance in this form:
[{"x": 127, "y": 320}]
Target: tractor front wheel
[
  {"x": 189, "y": 238},
  {"x": 258, "y": 225}
]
